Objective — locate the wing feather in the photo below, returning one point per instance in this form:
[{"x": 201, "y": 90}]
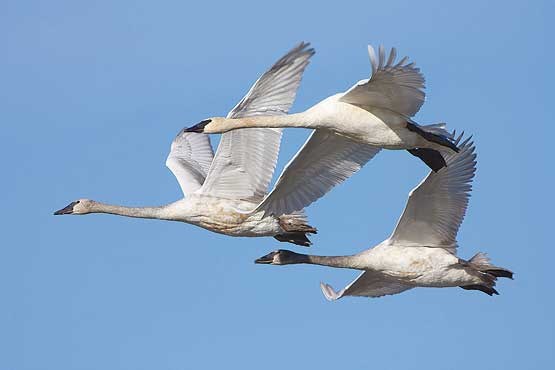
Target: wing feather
[
  {"x": 436, "y": 207},
  {"x": 367, "y": 284},
  {"x": 245, "y": 159},
  {"x": 324, "y": 161},
  {"x": 189, "y": 160},
  {"x": 397, "y": 87}
]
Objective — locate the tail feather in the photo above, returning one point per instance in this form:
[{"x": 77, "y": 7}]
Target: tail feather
[
  {"x": 481, "y": 265},
  {"x": 482, "y": 262},
  {"x": 295, "y": 227},
  {"x": 296, "y": 222}
]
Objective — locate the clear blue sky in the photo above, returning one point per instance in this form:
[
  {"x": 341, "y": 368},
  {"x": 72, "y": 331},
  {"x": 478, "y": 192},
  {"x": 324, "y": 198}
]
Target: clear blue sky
[{"x": 91, "y": 95}]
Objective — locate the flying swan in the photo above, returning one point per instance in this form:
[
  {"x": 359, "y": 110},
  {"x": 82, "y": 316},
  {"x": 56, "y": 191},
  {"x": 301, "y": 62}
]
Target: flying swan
[
  {"x": 421, "y": 252},
  {"x": 222, "y": 190},
  {"x": 350, "y": 129}
]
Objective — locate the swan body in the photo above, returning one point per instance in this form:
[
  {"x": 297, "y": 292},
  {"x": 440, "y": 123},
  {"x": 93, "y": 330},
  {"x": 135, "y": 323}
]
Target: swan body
[
  {"x": 417, "y": 266},
  {"x": 365, "y": 125},
  {"x": 350, "y": 128},
  {"x": 212, "y": 213},
  {"x": 223, "y": 216},
  {"x": 421, "y": 251},
  {"x": 223, "y": 189}
]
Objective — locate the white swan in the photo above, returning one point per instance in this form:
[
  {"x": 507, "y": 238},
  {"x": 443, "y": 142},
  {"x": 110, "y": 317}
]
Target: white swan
[
  {"x": 351, "y": 128},
  {"x": 221, "y": 190},
  {"x": 421, "y": 252}
]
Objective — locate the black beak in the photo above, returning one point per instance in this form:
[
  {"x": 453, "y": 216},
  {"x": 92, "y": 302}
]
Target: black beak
[
  {"x": 267, "y": 259},
  {"x": 66, "y": 210},
  {"x": 199, "y": 127}
]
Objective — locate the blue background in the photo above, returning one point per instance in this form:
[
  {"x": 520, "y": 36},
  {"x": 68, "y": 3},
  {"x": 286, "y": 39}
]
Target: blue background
[{"x": 91, "y": 95}]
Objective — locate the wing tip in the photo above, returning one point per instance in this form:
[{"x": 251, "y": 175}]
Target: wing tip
[
  {"x": 467, "y": 149},
  {"x": 329, "y": 293},
  {"x": 302, "y": 48}
]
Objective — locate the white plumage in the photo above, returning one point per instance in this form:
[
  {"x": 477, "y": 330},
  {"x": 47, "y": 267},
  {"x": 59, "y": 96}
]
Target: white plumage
[
  {"x": 219, "y": 187},
  {"x": 245, "y": 160},
  {"x": 421, "y": 252},
  {"x": 350, "y": 129},
  {"x": 397, "y": 87},
  {"x": 324, "y": 161},
  {"x": 435, "y": 209},
  {"x": 189, "y": 160}
]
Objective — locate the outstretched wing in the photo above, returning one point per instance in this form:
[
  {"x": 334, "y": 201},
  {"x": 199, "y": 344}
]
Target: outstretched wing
[
  {"x": 397, "y": 87},
  {"x": 324, "y": 161},
  {"x": 274, "y": 92},
  {"x": 435, "y": 208},
  {"x": 367, "y": 284},
  {"x": 246, "y": 158},
  {"x": 189, "y": 160}
]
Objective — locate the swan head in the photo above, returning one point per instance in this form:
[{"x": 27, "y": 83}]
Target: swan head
[
  {"x": 280, "y": 257},
  {"x": 78, "y": 207},
  {"x": 213, "y": 125}
]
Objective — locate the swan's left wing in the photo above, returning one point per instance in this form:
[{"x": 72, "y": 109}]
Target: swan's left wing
[
  {"x": 367, "y": 284},
  {"x": 245, "y": 159},
  {"x": 398, "y": 87},
  {"x": 189, "y": 159},
  {"x": 274, "y": 92},
  {"x": 324, "y": 161},
  {"x": 435, "y": 208}
]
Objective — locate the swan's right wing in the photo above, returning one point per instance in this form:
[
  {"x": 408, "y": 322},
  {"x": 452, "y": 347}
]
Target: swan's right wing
[
  {"x": 397, "y": 87},
  {"x": 367, "y": 284},
  {"x": 436, "y": 207},
  {"x": 324, "y": 161},
  {"x": 245, "y": 159},
  {"x": 189, "y": 159}
]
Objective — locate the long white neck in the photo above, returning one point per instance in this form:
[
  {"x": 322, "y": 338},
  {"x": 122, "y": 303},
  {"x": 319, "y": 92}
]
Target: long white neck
[
  {"x": 165, "y": 212},
  {"x": 351, "y": 262},
  {"x": 303, "y": 120}
]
